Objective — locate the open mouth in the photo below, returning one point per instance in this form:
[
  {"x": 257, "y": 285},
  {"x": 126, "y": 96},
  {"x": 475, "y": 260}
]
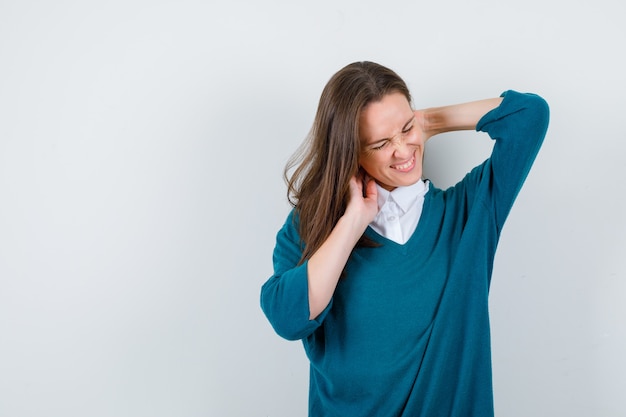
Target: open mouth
[{"x": 407, "y": 166}]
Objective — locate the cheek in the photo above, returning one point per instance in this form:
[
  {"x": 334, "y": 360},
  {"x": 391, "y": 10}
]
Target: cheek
[
  {"x": 416, "y": 139},
  {"x": 367, "y": 163},
  {"x": 375, "y": 166}
]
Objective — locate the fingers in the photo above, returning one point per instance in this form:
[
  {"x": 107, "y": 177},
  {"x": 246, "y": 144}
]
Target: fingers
[
  {"x": 356, "y": 188},
  {"x": 363, "y": 201},
  {"x": 370, "y": 189},
  {"x": 363, "y": 185},
  {"x": 420, "y": 120}
]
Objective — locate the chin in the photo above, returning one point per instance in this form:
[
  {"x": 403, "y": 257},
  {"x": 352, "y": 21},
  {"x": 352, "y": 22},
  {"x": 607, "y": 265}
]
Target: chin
[{"x": 412, "y": 180}]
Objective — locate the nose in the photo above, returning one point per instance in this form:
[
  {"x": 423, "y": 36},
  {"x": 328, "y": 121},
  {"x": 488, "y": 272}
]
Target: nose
[{"x": 401, "y": 147}]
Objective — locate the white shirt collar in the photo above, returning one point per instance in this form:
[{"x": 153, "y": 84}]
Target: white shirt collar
[
  {"x": 404, "y": 197},
  {"x": 399, "y": 211}
]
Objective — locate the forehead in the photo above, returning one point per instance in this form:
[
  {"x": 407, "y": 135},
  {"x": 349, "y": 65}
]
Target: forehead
[{"x": 385, "y": 118}]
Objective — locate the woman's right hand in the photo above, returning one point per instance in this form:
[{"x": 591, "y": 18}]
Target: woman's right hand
[
  {"x": 363, "y": 203},
  {"x": 325, "y": 266}
]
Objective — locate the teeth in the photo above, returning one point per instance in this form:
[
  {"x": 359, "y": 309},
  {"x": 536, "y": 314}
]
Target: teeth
[{"x": 405, "y": 165}]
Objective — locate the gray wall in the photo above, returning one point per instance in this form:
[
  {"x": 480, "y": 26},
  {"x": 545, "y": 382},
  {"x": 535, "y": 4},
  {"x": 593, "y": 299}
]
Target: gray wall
[{"x": 141, "y": 151}]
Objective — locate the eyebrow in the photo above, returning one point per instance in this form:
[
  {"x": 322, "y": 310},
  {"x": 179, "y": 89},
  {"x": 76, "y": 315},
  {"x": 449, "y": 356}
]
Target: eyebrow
[{"x": 385, "y": 139}]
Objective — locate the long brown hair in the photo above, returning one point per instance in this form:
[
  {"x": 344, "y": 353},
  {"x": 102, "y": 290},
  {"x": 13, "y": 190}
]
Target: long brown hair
[{"x": 318, "y": 187}]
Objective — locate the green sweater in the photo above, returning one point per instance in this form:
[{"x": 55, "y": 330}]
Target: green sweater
[{"x": 407, "y": 330}]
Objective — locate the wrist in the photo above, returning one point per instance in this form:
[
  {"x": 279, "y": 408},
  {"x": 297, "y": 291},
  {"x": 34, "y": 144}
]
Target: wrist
[{"x": 353, "y": 223}]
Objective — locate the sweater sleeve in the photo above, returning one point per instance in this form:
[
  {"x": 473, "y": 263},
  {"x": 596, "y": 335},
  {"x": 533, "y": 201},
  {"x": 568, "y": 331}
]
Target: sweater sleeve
[
  {"x": 518, "y": 125},
  {"x": 285, "y": 295}
]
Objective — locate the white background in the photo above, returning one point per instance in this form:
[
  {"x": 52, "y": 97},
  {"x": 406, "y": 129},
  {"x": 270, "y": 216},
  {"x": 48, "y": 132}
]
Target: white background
[{"x": 141, "y": 151}]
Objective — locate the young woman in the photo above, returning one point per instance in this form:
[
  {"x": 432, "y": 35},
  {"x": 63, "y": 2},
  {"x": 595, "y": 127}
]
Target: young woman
[{"x": 383, "y": 276}]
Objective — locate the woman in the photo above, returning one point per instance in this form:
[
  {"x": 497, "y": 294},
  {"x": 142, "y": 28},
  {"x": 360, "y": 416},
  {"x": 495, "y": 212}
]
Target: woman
[{"x": 383, "y": 276}]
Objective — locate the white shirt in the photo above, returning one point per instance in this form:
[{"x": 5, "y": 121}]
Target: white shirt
[{"x": 399, "y": 211}]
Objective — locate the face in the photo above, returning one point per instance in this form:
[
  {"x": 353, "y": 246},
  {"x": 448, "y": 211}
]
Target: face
[{"x": 391, "y": 142}]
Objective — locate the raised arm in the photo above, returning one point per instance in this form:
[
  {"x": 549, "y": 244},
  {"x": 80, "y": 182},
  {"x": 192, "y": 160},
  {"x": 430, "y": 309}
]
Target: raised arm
[
  {"x": 516, "y": 121},
  {"x": 462, "y": 116},
  {"x": 295, "y": 297},
  {"x": 327, "y": 263}
]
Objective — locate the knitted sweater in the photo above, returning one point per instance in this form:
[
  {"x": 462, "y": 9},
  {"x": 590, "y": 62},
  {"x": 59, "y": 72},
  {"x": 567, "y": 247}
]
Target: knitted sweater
[{"x": 407, "y": 330}]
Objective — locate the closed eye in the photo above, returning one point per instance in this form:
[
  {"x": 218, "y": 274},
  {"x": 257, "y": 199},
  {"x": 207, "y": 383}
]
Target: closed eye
[
  {"x": 383, "y": 142},
  {"x": 379, "y": 147}
]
